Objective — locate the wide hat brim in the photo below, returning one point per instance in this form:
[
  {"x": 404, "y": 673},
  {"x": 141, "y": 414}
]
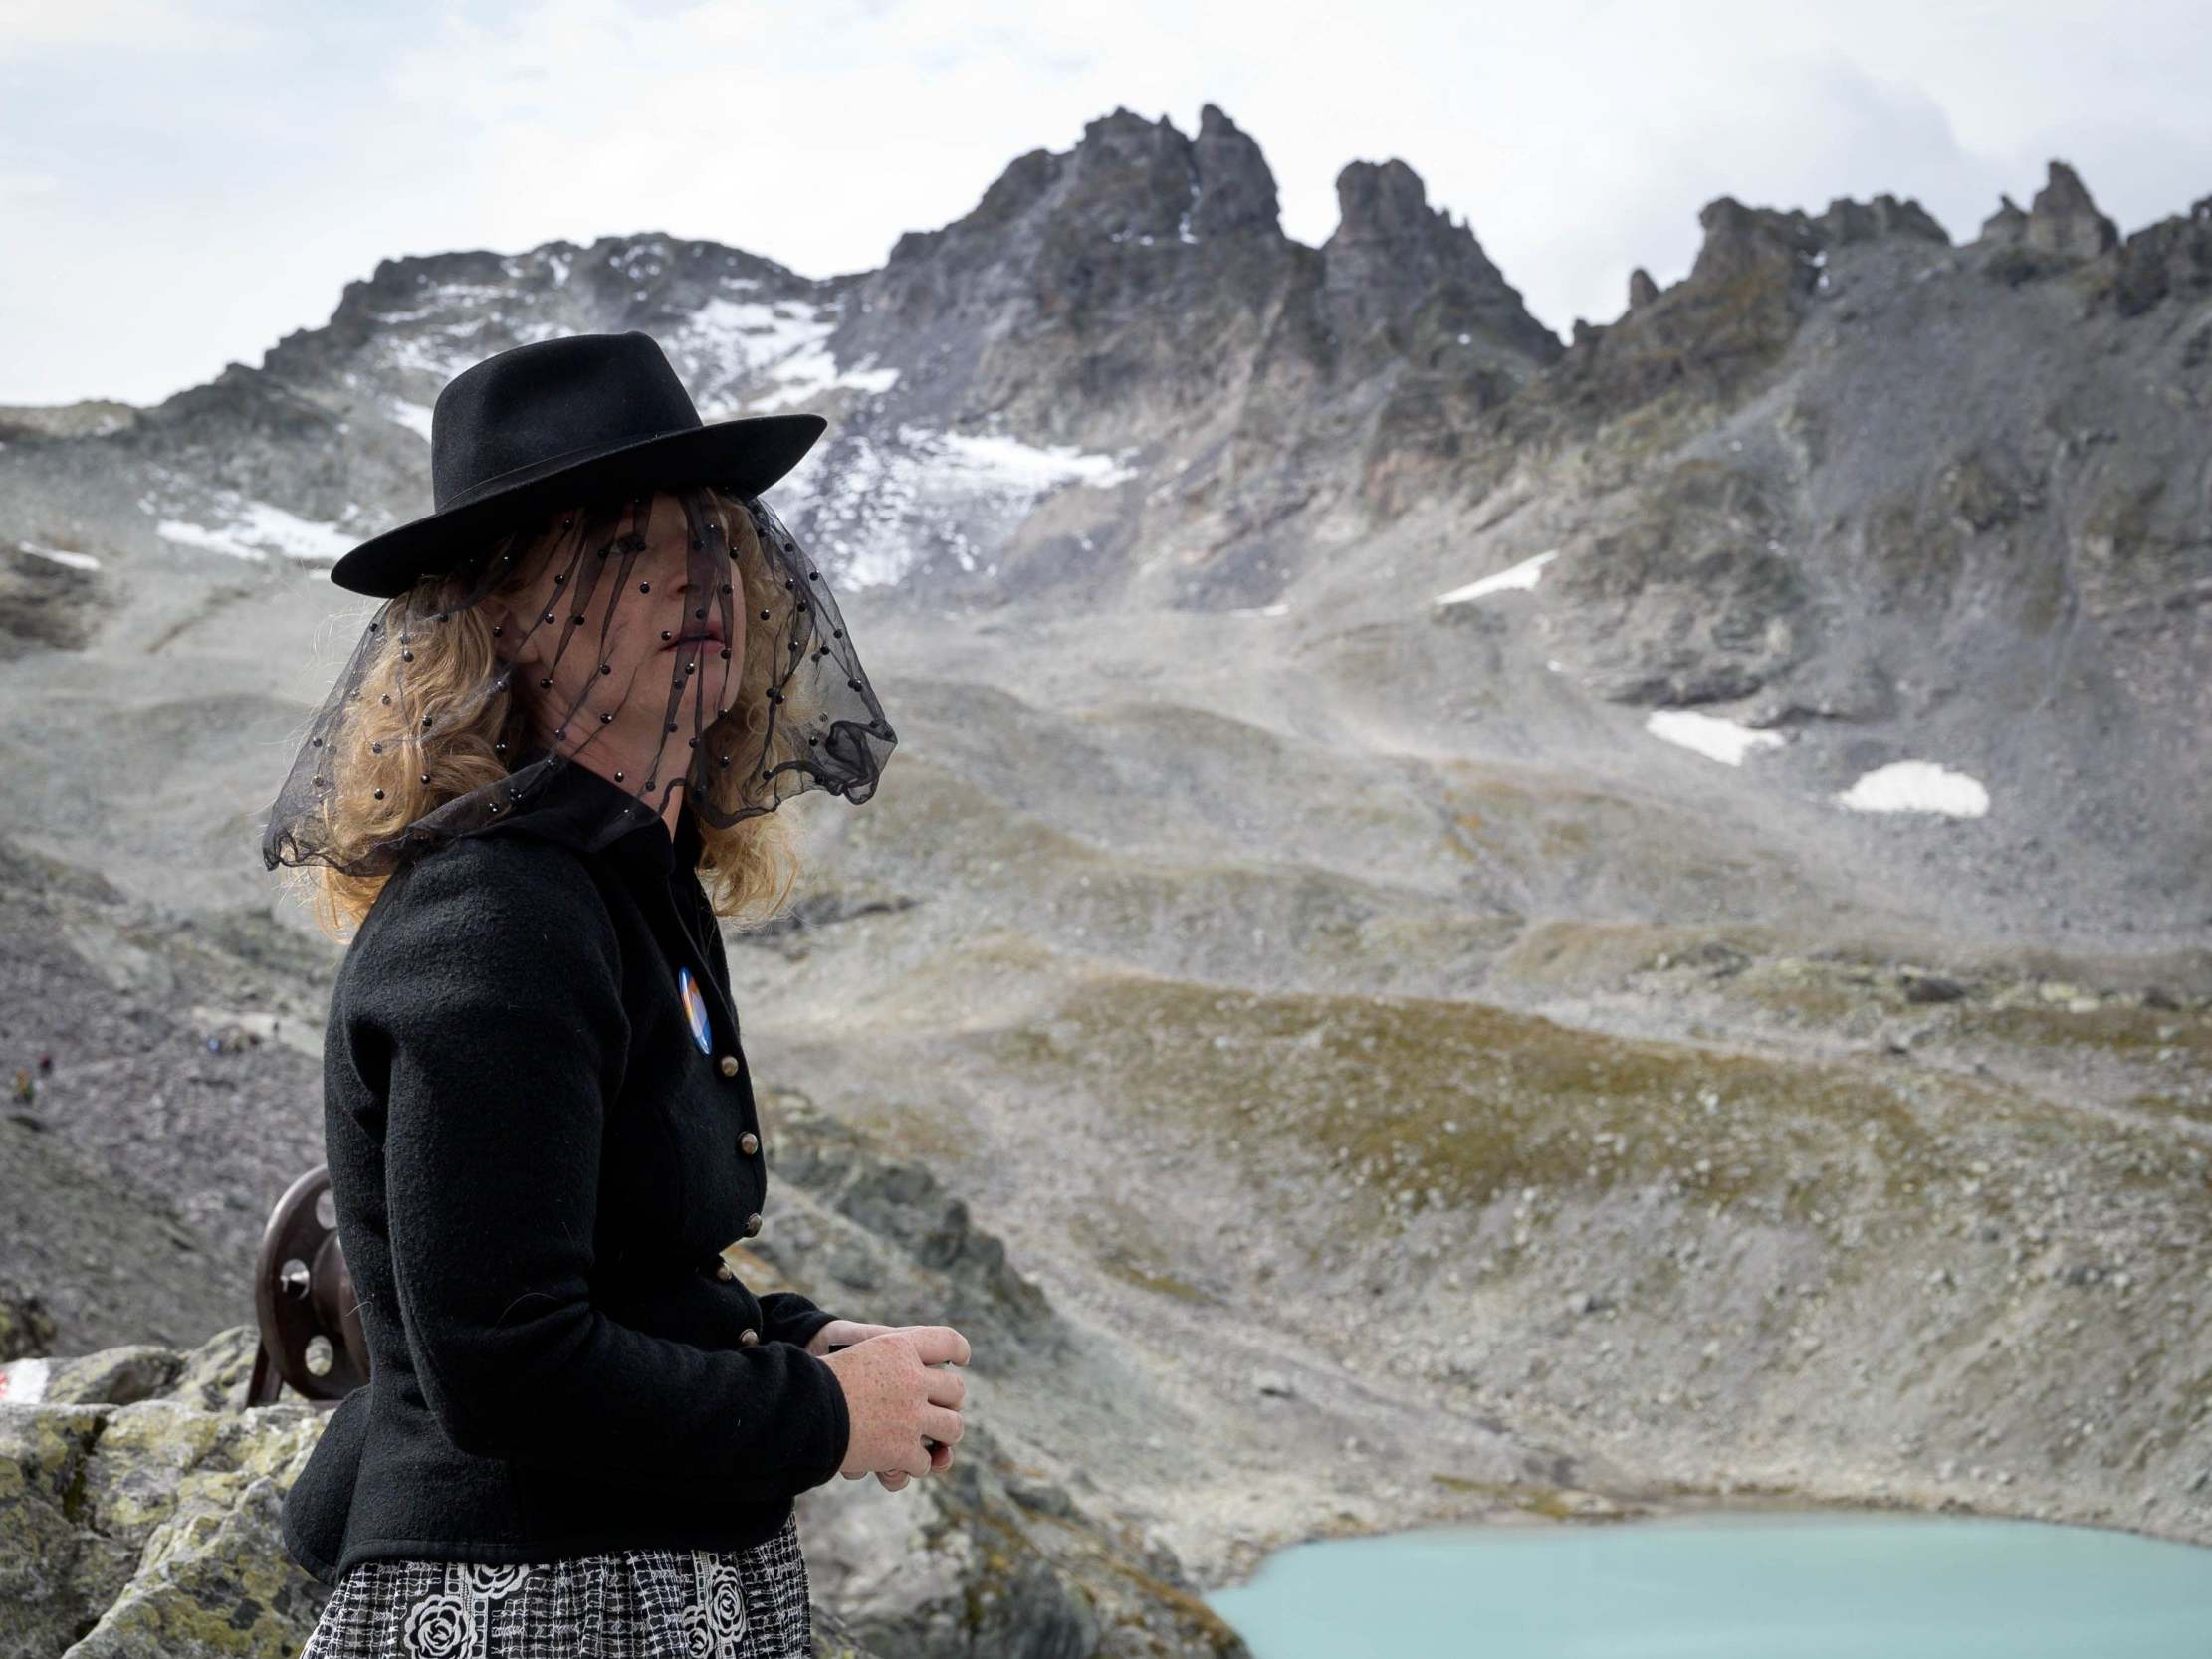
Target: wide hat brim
[{"x": 744, "y": 455}]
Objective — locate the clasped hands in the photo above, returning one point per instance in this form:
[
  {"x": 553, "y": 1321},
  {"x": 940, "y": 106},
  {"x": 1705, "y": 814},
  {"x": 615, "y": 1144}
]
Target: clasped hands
[{"x": 899, "y": 1401}]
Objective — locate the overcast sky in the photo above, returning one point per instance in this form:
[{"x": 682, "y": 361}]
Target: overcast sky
[{"x": 183, "y": 181}]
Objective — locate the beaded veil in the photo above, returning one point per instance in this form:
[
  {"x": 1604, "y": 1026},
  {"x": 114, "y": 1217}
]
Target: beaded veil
[{"x": 676, "y": 639}]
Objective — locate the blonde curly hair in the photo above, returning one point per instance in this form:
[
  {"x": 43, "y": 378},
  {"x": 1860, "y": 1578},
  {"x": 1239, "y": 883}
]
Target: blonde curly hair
[{"x": 402, "y": 757}]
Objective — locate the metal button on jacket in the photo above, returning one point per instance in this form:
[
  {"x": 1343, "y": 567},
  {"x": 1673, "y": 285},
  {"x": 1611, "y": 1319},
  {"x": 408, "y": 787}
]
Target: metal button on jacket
[
  {"x": 724, "y": 1271},
  {"x": 751, "y": 1223},
  {"x": 749, "y": 1142},
  {"x": 747, "y": 1336},
  {"x": 729, "y": 1065}
]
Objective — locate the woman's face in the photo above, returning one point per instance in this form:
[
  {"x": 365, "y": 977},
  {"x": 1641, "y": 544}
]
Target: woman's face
[{"x": 651, "y": 646}]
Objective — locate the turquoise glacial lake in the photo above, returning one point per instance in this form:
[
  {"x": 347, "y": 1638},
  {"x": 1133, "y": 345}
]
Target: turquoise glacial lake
[{"x": 1722, "y": 1585}]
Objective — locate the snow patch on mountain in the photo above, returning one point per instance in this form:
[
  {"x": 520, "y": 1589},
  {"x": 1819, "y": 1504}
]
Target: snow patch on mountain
[
  {"x": 252, "y": 530},
  {"x": 893, "y": 504}
]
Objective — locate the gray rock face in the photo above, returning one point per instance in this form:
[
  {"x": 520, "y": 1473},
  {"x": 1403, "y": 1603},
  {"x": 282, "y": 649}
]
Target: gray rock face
[
  {"x": 1666, "y": 629},
  {"x": 1392, "y": 256},
  {"x": 2171, "y": 258},
  {"x": 137, "y": 1518},
  {"x": 44, "y": 603},
  {"x": 143, "y": 1161},
  {"x": 2063, "y": 221},
  {"x": 2008, "y": 224},
  {"x": 1137, "y": 295},
  {"x": 1235, "y": 186},
  {"x": 26, "y": 1328},
  {"x": 2063, "y": 230}
]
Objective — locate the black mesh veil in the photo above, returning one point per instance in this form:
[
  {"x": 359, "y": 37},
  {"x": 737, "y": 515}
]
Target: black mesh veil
[{"x": 673, "y": 639}]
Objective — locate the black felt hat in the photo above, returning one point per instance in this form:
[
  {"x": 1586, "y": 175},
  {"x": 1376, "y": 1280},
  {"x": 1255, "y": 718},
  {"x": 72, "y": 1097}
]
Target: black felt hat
[{"x": 547, "y": 422}]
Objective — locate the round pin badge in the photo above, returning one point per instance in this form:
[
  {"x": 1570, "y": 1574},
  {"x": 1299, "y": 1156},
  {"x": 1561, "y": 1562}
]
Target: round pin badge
[{"x": 695, "y": 1010}]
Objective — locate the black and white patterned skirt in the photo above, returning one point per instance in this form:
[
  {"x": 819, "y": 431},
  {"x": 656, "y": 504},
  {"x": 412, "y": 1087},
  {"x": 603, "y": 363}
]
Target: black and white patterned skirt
[{"x": 654, "y": 1604}]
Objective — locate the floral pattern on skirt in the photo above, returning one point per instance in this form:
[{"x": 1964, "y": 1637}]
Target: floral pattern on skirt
[{"x": 656, "y": 1603}]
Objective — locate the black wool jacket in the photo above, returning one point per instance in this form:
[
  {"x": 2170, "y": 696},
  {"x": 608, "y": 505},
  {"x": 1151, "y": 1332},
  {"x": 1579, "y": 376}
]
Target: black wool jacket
[{"x": 540, "y": 1134}]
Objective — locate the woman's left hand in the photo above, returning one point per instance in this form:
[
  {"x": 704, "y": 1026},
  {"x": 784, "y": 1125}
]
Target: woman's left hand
[{"x": 842, "y": 1333}]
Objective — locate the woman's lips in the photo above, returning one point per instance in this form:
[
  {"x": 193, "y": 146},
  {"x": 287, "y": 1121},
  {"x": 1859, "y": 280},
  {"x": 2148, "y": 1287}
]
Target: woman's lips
[{"x": 708, "y": 632}]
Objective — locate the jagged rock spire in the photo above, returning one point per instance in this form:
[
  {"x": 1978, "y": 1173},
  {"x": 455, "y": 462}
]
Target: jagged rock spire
[
  {"x": 2062, "y": 220},
  {"x": 1235, "y": 186},
  {"x": 2062, "y": 223},
  {"x": 1391, "y": 249}
]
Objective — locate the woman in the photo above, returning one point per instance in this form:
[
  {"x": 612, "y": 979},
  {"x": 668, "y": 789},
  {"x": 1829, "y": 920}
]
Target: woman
[{"x": 601, "y": 665}]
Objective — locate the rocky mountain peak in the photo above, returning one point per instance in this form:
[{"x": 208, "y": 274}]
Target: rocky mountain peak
[
  {"x": 1147, "y": 271},
  {"x": 1236, "y": 187},
  {"x": 2170, "y": 257},
  {"x": 2007, "y": 224},
  {"x": 2062, "y": 226},
  {"x": 1791, "y": 243},
  {"x": 1127, "y": 180},
  {"x": 1752, "y": 241},
  {"x": 1847, "y": 221},
  {"x": 2062, "y": 220},
  {"x": 1757, "y": 274},
  {"x": 1390, "y": 251}
]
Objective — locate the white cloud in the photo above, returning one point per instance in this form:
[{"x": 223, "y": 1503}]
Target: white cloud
[
  {"x": 31, "y": 26},
  {"x": 19, "y": 184}
]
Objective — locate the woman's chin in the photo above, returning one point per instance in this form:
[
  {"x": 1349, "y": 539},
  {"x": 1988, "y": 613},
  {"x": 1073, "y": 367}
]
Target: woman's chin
[{"x": 718, "y": 681}]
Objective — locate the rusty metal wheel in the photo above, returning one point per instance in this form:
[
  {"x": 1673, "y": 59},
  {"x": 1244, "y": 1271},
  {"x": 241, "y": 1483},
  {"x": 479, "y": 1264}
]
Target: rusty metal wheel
[{"x": 311, "y": 1328}]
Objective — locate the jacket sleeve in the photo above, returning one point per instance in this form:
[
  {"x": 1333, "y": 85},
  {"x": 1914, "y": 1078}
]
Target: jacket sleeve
[
  {"x": 791, "y": 1317},
  {"x": 499, "y": 998}
]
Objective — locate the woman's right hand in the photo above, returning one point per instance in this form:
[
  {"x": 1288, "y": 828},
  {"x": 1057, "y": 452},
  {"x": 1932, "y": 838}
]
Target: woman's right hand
[{"x": 897, "y": 1398}]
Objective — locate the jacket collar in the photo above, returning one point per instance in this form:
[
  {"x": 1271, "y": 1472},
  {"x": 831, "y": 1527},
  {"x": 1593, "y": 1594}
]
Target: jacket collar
[{"x": 576, "y": 807}]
